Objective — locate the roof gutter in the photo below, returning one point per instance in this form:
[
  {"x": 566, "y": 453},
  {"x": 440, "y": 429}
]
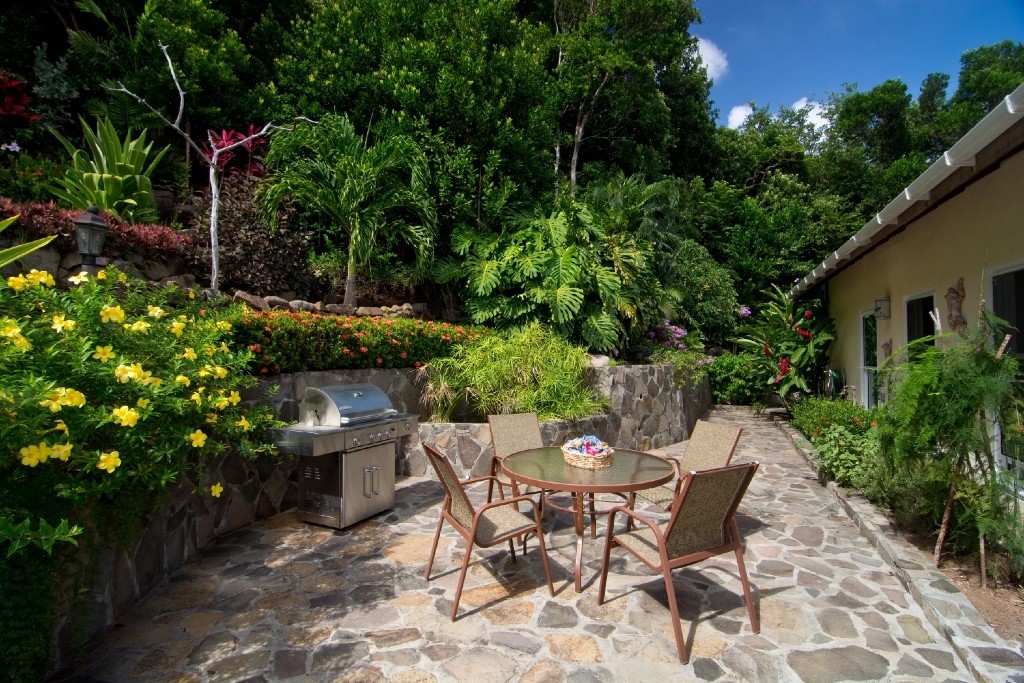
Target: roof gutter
[{"x": 962, "y": 153}]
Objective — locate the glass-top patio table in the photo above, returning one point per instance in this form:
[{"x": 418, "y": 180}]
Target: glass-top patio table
[{"x": 545, "y": 468}]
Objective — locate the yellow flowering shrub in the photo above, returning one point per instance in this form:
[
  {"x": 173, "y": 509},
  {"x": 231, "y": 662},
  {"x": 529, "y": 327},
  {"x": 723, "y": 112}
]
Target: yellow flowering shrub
[{"x": 103, "y": 390}]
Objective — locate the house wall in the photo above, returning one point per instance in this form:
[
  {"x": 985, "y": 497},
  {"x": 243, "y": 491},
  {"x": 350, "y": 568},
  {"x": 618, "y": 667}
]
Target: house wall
[{"x": 972, "y": 235}]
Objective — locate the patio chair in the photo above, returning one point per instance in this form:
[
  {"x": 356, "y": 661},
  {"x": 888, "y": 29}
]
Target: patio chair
[
  {"x": 710, "y": 446},
  {"x": 510, "y": 433},
  {"x": 702, "y": 525},
  {"x": 492, "y": 524}
]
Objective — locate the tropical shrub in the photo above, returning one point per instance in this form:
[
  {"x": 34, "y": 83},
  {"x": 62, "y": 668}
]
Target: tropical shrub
[
  {"x": 112, "y": 174},
  {"x": 682, "y": 350},
  {"x": 796, "y": 337},
  {"x": 848, "y": 456},
  {"x": 814, "y": 414},
  {"x": 366, "y": 193},
  {"x": 254, "y": 256},
  {"x": 740, "y": 378},
  {"x": 118, "y": 387},
  {"x": 529, "y": 371},
  {"x": 27, "y": 178},
  {"x": 706, "y": 295},
  {"x": 943, "y": 403},
  {"x": 293, "y": 342}
]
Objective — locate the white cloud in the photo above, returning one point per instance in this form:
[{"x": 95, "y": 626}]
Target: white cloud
[
  {"x": 739, "y": 114},
  {"x": 816, "y": 114},
  {"x": 713, "y": 57}
]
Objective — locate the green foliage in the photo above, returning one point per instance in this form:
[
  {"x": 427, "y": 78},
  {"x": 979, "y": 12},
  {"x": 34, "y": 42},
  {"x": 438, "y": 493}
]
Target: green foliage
[
  {"x": 28, "y": 611},
  {"x": 293, "y": 342},
  {"x": 847, "y": 456},
  {"x": 112, "y": 174},
  {"x": 795, "y": 337},
  {"x": 253, "y": 256},
  {"x": 586, "y": 270},
  {"x": 812, "y": 415},
  {"x": 118, "y": 387},
  {"x": 740, "y": 378},
  {"x": 706, "y": 295},
  {"x": 365, "y": 192},
  {"x": 12, "y": 254},
  {"x": 531, "y": 370},
  {"x": 942, "y": 404},
  {"x": 25, "y": 177}
]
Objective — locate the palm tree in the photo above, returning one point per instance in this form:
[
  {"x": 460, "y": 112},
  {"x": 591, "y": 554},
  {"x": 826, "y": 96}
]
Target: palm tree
[{"x": 365, "y": 190}]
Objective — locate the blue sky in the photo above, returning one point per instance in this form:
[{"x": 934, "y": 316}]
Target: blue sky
[{"x": 776, "y": 52}]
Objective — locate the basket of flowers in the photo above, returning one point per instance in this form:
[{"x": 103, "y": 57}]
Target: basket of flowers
[{"x": 587, "y": 452}]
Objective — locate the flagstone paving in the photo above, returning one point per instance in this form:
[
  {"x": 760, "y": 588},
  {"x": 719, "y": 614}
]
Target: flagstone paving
[{"x": 289, "y": 601}]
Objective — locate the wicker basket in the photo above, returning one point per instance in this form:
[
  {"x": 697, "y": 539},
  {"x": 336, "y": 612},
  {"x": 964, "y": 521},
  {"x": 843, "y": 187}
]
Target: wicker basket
[{"x": 586, "y": 460}]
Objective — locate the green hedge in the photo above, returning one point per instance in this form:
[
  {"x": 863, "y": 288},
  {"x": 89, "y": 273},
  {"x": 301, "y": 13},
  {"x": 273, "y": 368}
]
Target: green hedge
[{"x": 283, "y": 341}]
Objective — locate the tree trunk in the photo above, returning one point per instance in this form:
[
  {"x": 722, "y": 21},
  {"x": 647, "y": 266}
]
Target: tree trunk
[
  {"x": 214, "y": 241},
  {"x": 350, "y": 280},
  {"x": 981, "y": 549},
  {"x": 944, "y": 527}
]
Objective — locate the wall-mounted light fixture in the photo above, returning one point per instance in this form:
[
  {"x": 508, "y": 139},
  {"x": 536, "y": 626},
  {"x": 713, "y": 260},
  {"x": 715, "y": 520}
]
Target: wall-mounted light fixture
[{"x": 881, "y": 309}]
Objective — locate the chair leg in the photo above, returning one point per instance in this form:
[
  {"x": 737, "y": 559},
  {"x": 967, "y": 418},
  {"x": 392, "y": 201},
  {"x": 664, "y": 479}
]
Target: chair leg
[
  {"x": 632, "y": 506},
  {"x": 544, "y": 557},
  {"x": 512, "y": 548},
  {"x": 755, "y": 623},
  {"x": 593, "y": 518},
  {"x": 462, "y": 578},
  {"x": 495, "y": 466},
  {"x": 433, "y": 548},
  {"x": 674, "y": 609}
]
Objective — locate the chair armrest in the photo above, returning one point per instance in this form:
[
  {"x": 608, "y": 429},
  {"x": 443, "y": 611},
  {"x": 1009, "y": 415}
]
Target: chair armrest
[
  {"x": 507, "y": 501},
  {"x": 626, "y": 510},
  {"x": 477, "y": 480}
]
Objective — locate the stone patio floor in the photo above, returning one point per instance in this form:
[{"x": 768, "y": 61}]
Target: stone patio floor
[{"x": 284, "y": 600}]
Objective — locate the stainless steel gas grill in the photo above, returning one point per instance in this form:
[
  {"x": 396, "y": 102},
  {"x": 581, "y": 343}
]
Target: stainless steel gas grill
[{"x": 346, "y": 441}]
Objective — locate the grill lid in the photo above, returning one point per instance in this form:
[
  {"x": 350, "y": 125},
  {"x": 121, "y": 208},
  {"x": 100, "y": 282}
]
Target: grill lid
[{"x": 343, "y": 404}]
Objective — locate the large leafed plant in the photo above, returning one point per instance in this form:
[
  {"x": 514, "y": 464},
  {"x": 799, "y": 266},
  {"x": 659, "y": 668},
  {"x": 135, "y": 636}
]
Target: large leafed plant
[{"x": 111, "y": 174}]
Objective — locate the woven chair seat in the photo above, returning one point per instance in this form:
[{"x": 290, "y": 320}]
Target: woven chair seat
[
  {"x": 662, "y": 496},
  {"x": 502, "y": 521},
  {"x": 643, "y": 543}
]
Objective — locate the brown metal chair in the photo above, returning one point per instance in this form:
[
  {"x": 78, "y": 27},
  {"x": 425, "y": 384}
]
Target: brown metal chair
[
  {"x": 702, "y": 525},
  {"x": 511, "y": 433},
  {"x": 492, "y": 524},
  {"x": 710, "y": 446}
]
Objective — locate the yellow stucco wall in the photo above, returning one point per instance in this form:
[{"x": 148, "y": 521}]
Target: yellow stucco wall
[{"x": 973, "y": 235}]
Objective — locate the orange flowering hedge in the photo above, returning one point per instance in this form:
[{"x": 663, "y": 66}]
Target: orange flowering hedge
[{"x": 283, "y": 341}]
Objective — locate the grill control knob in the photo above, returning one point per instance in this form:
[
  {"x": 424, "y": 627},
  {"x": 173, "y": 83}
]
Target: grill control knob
[
  {"x": 372, "y": 438},
  {"x": 382, "y": 436},
  {"x": 355, "y": 440}
]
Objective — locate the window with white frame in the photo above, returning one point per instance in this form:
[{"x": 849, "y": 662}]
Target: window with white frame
[{"x": 1008, "y": 304}]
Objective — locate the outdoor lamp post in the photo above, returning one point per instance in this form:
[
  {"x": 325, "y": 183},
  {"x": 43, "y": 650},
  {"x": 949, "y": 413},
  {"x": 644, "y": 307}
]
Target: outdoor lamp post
[{"x": 92, "y": 231}]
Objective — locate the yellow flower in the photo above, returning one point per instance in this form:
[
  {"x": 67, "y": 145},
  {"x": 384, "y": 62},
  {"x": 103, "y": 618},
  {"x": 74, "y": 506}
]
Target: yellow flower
[
  {"x": 244, "y": 424},
  {"x": 73, "y": 398},
  {"x": 223, "y": 348},
  {"x": 211, "y": 418},
  {"x": 151, "y": 381},
  {"x": 205, "y": 372},
  {"x": 197, "y": 397},
  {"x": 61, "y": 451},
  {"x": 177, "y": 327},
  {"x": 122, "y": 278},
  {"x": 216, "y": 490},
  {"x": 140, "y": 375},
  {"x": 102, "y": 275},
  {"x": 126, "y": 417},
  {"x": 191, "y": 294},
  {"x": 109, "y": 461},
  {"x": 189, "y": 354},
  {"x": 40, "y": 277},
  {"x": 17, "y": 282},
  {"x": 182, "y": 379},
  {"x": 124, "y": 373},
  {"x": 33, "y": 455},
  {"x": 197, "y": 438},
  {"x": 219, "y": 372},
  {"x": 52, "y": 401},
  {"x": 111, "y": 314},
  {"x": 143, "y": 403},
  {"x": 80, "y": 278},
  {"x": 20, "y": 343},
  {"x": 222, "y": 402},
  {"x": 60, "y": 324},
  {"x": 140, "y": 326},
  {"x": 60, "y": 427},
  {"x": 104, "y": 353},
  {"x": 223, "y": 325},
  {"x": 234, "y": 398},
  {"x": 155, "y": 312},
  {"x": 209, "y": 350}
]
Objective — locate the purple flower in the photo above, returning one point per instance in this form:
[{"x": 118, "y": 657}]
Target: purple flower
[
  {"x": 11, "y": 146},
  {"x": 744, "y": 311}
]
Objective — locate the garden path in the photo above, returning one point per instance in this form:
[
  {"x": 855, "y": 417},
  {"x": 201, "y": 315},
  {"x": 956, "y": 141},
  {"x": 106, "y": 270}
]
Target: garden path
[{"x": 285, "y": 600}]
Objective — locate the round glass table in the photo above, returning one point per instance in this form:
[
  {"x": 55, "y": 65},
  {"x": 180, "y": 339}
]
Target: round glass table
[{"x": 545, "y": 468}]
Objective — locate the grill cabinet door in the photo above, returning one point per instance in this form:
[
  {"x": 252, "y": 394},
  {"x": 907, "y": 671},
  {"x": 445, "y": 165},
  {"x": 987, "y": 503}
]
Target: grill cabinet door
[
  {"x": 320, "y": 489},
  {"x": 368, "y": 485}
]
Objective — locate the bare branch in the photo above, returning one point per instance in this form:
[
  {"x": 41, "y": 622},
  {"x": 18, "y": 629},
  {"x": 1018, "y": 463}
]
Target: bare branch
[
  {"x": 177, "y": 84},
  {"x": 122, "y": 89}
]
